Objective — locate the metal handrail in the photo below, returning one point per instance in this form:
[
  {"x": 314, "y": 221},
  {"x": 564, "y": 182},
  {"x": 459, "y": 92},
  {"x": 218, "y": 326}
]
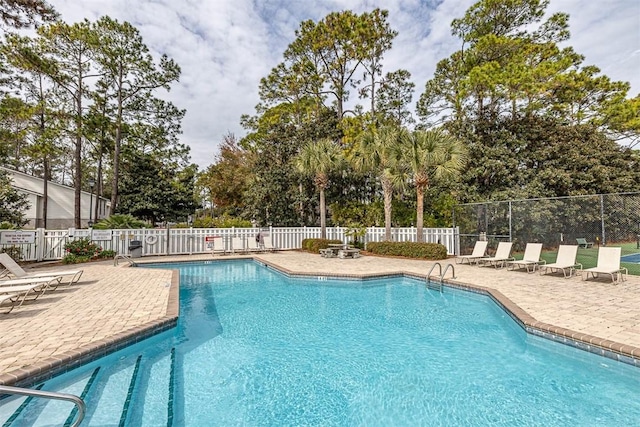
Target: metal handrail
[
  {"x": 125, "y": 257},
  {"x": 441, "y": 276},
  {"x": 49, "y": 395},
  {"x": 445, "y": 272},
  {"x": 434, "y": 266}
]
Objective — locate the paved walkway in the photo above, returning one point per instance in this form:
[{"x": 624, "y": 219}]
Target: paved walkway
[{"x": 110, "y": 303}]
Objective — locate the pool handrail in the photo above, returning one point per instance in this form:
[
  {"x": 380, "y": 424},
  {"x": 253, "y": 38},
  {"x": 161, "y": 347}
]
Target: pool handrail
[{"x": 78, "y": 402}]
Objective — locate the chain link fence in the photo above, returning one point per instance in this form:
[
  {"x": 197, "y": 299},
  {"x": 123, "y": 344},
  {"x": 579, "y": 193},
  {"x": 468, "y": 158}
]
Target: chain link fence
[{"x": 604, "y": 219}]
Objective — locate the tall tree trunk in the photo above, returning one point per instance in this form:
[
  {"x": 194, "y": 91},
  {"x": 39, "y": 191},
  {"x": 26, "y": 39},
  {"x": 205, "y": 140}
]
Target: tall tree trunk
[
  {"x": 420, "y": 213},
  {"x": 323, "y": 215},
  {"x": 45, "y": 190},
  {"x": 116, "y": 152},
  {"x": 388, "y": 195},
  {"x": 78, "y": 156}
]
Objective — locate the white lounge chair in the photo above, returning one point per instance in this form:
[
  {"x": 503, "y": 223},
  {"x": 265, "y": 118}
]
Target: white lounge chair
[
  {"x": 24, "y": 287},
  {"x": 565, "y": 261},
  {"x": 217, "y": 246},
  {"x": 237, "y": 245},
  {"x": 608, "y": 263},
  {"x": 267, "y": 245},
  {"x": 69, "y": 277},
  {"x": 12, "y": 298},
  {"x": 479, "y": 251},
  {"x": 531, "y": 258},
  {"x": 503, "y": 254},
  {"x": 253, "y": 245}
]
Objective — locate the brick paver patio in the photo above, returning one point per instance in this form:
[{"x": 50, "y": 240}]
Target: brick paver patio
[{"x": 111, "y": 302}]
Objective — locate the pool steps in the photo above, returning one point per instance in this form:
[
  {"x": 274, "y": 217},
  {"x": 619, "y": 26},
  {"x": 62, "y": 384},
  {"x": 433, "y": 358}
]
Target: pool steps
[{"x": 117, "y": 384}]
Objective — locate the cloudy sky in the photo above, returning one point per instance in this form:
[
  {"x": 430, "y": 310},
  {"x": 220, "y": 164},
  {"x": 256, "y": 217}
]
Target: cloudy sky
[{"x": 225, "y": 47}]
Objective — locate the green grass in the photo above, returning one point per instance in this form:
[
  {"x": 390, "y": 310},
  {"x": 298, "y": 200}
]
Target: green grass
[{"x": 589, "y": 257}]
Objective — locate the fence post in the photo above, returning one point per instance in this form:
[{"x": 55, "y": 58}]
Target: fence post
[
  {"x": 604, "y": 243},
  {"x": 40, "y": 242},
  {"x": 510, "y": 232}
]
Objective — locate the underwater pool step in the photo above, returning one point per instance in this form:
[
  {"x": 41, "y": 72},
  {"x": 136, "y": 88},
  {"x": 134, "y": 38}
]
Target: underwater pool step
[{"x": 107, "y": 402}]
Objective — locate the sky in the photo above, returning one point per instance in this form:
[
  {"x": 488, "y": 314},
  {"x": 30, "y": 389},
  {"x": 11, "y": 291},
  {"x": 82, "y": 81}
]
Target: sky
[{"x": 224, "y": 47}]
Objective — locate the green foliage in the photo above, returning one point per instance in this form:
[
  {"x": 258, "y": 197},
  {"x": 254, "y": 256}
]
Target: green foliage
[
  {"x": 83, "y": 250},
  {"x": 153, "y": 191},
  {"x": 14, "y": 252},
  {"x": 226, "y": 180},
  {"x": 13, "y": 203},
  {"x": 431, "y": 251},
  {"x": 224, "y": 221},
  {"x": 314, "y": 245},
  {"x": 120, "y": 221}
]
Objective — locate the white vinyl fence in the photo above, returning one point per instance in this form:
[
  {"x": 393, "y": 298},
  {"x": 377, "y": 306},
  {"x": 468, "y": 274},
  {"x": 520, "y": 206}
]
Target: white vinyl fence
[{"x": 41, "y": 244}]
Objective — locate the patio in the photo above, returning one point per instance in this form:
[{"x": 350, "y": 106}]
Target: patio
[{"x": 113, "y": 303}]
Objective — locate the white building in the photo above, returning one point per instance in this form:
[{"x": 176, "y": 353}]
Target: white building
[{"x": 60, "y": 204}]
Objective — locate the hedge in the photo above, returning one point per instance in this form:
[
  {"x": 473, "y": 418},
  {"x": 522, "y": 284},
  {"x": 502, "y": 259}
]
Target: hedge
[
  {"x": 314, "y": 245},
  {"x": 431, "y": 251}
]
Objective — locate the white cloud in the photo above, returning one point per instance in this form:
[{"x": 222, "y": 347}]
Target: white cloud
[{"x": 224, "y": 47}]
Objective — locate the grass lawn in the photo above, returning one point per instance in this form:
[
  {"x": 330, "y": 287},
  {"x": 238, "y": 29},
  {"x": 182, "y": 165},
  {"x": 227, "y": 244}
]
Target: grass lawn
[{"x": 589, "y": 257}]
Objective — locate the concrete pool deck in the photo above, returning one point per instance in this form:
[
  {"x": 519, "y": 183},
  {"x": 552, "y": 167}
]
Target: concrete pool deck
[{"x": 111, "y": 305}]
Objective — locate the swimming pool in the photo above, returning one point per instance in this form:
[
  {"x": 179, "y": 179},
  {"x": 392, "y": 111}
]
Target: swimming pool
[{"x": 256, "y": 348}]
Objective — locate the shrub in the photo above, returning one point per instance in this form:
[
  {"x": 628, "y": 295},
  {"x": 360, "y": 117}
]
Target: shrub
[
  {"x": 119, "y": 221},
  {"x": 314, "y": 245},
  {"x": 107, "y": 254},
  {"x": 431, "y": 251},
  {"x": 14, "y": 252},
  {"x": 83, "y": 250},
  {"x": 223, "y": 221}
]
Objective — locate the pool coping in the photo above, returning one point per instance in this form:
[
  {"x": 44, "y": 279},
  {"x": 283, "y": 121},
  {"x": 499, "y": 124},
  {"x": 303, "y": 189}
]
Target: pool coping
[{"x": 69, "y": 360}]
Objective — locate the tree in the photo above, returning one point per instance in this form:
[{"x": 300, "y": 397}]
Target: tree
[
  {"x": 67, "y": 53},
  {"x": 131, "y": 74},
  {"x": 319, "y": 159},
  {"x": 46, "y": 118},
  {"x": 378, "y": 151},
  {"x": 227, "y": 178},
  {"x": 324, "y": 59},
  {"x": 25, "y": 13},
  {"x": 12, "y": 203},
  {"x": 429, "y": 155},
  {"x": 394, "y": 98}
]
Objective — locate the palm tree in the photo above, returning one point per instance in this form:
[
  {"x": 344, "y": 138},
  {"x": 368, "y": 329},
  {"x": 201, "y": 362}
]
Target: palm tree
[
  {"x": 318, "y": 159},
  {"x": 428, "y": 155},
  {"x": 378, "y": 151}
]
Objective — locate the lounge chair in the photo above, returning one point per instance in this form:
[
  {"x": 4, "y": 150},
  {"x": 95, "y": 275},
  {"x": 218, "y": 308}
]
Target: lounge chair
[
  {"x": 608, "y": 263},
  {"x": 69, "y": 277},
  {"x": 478, "y": 252},
  {"x": 217, "y": 246},
  {"x": 23, "y": 287},
  {"x": 531, "y": 258},
  {"x": 237, "y": 245},
  {"x": 582, "y": 243},
  {"x": 12, "y": 298},
  {"x": 253, "y": 245},
  {"x": 565, "y": 261},
  {"x": 503, "y": 254},
  {"x": 267, "y": 245}
]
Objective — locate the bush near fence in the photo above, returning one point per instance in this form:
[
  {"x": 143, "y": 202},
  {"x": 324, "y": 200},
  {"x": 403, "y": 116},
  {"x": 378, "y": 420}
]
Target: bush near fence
[
  {"x": 430, "y": 251},
  {"x": 314, "y": 245}
]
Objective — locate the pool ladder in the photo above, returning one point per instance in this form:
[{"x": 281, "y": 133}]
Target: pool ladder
[
  {"x": 441, "y": 276},
  {"x": 127, "y": 258},
  {"x": 80, "y": 407}
]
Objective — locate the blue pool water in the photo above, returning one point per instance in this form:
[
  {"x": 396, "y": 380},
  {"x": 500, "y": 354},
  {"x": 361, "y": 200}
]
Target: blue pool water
[
  {"x": 254, "y": 348},
  {"x": 633, "y": 258}
]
